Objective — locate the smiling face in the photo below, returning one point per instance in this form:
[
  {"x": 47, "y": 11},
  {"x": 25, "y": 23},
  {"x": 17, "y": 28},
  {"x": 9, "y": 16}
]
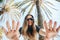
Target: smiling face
[{"x": 30, "y": 20}]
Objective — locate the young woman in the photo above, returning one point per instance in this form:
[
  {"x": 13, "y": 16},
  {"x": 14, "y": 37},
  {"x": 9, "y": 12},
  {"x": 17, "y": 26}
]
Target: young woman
[{"x": 30, "y": 31}]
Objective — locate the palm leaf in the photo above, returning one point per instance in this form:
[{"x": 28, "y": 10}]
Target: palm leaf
[
  {"x": 10, "y": 1},
  {"x": 16, "y": 4},
  {"x": 48, "y": 11},
  {"x": 23, "y": 10},
  {"x": 23, "y": 3},
  {"x": 31, "y": 8},
  {"x": 50, "y": 5},
  {"x": 45, "y": 11}
]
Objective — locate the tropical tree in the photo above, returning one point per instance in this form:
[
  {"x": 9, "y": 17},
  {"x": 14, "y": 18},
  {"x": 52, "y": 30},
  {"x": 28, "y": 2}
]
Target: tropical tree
[
  {"x": 22, "y": 6},
  {"x": 9, "y": 9},
  {"x": 40, "y": 5}
]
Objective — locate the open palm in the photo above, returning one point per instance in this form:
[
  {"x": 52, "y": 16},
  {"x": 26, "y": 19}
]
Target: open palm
[
  {"x": 50, "y": 32},
  {"x": 12, "y": 33}
]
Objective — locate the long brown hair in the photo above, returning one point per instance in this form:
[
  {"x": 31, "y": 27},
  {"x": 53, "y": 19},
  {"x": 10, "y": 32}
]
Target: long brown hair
[{"x": 25, "y": 27}]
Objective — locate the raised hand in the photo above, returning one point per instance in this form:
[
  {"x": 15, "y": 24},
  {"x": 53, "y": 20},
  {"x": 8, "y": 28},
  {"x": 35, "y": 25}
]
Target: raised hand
[
  {"x": 12, "y": 34},
  {"x": 51, "y": 31}
]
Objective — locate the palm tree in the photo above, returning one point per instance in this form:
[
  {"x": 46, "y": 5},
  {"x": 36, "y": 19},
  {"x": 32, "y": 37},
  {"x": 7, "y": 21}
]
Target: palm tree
[
  {"x": 33, "y": 3},
  {"x": 39, "y": 4},
  {"x": 40, "y": 19},
  {"x": 11, "y": 10}
]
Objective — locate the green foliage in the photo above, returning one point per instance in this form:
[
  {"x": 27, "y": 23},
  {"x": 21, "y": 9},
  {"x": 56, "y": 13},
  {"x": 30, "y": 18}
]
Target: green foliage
[{"x": 1, "y": 1}]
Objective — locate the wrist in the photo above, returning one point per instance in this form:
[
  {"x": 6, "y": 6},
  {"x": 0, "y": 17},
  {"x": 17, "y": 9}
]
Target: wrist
[
  {"x": 46, "y": 38},
  {"x": 14, "y": 39}
]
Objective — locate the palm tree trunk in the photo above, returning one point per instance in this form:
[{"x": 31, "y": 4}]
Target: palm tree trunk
[{"x": 40, "y": 19}]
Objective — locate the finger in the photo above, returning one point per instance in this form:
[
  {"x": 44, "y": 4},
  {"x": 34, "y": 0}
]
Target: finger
[
  {"x": 54, "y": 27},
  {"x": 45, "y": 26},
  {"x": 13, "y": 24},
  {"x": 17, "y": 27},
  {"x": 58, "y": 29},
  {"x": 50, "y": 25},
  {"x": 4, "y": 30},
  {"x": 8, "y": 26}
]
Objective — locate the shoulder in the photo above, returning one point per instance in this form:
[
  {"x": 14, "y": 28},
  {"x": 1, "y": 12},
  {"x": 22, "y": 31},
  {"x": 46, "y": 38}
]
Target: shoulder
[
  {"x": 37, "y": 28},
  {"x": 20, "y": 30}
]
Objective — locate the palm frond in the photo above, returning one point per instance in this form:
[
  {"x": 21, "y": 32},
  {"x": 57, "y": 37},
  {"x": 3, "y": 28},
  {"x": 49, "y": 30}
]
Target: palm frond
[
  {"x": 16, "y": 4},
  {"x": 31, "y": 8},
  {"x": 15, "y": 13},
  {"x": 48, "y": 11},
  {"x": 23, "y": 10},
  {"x": 45, "y": 6},
  {"x": 23, "y": 3},
  {"x": 45, "y": 11},
  {"x": 10, "y": 1},
  {"x": 51, "y": 5}
]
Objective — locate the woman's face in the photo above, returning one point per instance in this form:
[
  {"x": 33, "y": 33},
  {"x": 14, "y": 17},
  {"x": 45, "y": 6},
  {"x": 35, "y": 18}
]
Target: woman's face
[{"x": 30, "y": 20}]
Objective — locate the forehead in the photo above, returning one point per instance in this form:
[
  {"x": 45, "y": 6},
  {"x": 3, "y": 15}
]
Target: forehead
[{"x": 29, "y": 16}]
